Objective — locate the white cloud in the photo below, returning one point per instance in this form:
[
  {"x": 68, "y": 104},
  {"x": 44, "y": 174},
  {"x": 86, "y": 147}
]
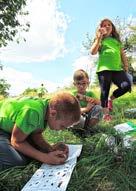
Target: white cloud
[
  {"x": 86, "y": 63},
  {"x": 83, "y": 62},
  {"x": 20, "y": 81},
  {"x": 51, "y": 86},
  {"x": 46, "y": 37}
]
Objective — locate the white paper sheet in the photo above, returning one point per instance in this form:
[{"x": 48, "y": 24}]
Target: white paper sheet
[
  {"x": 123, "y": 128},
  {"x": 54, "y": 177}
]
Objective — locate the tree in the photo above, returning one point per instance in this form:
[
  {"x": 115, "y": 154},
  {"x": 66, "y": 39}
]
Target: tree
[
  {"x": 128, "y": 31},
  {"x": 4, "y": 87},
  {"x": 30, "y": 92},
  {"x": 9, "y": 21}
]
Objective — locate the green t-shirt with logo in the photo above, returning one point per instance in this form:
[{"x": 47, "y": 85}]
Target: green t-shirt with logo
[
  {"x": 27, "y": 113},
  {"x": 109, "y": 55},
  {"x": 88, "y": 93}
]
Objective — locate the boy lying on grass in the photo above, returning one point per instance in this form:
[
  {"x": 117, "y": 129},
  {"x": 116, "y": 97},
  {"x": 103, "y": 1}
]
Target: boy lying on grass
[
  {"x": 90, "y": 106},
  {"x": 22, "y": 121}
]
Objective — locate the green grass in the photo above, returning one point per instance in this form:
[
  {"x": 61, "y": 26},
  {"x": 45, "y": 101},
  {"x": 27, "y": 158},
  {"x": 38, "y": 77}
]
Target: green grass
[{"x": 99, "y": 167}]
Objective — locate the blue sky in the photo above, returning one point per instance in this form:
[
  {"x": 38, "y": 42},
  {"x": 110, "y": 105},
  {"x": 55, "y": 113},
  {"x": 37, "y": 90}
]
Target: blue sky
[{"x": 53, "y": 47}]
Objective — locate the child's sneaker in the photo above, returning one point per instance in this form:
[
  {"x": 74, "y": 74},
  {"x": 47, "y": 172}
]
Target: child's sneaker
[
  {"x": 110, "y": 105},
  {"x": 107, "y": 117}
]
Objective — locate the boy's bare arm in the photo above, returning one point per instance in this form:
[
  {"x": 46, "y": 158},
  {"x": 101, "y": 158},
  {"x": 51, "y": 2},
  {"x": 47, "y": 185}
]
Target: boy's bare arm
[
  {"x": 124, "y": 60},
  {"x": 92, "y": 100},
  {"x": 88, "y": 99},
  {"x": 87, "y": 108},
  {"x": 39, "y": 140},
  {"x": 20, "y": 143}
]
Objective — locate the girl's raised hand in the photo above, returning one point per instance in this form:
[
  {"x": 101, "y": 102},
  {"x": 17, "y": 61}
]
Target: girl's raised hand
[{"x": 101, "y": 32}]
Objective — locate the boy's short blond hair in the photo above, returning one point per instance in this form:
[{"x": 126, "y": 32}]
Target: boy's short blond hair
[
  {"x": 66, "y": 105},
  {"x": 80, "y": 75}
]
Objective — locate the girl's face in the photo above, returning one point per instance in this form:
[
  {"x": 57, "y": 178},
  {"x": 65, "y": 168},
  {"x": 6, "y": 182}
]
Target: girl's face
[
  {"x": 107, "y": 26},
  {"x": 82, "y": 85}
]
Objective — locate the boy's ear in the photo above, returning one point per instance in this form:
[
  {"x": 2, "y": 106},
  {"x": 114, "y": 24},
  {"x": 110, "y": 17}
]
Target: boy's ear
[{"x": 53, "y": 113}]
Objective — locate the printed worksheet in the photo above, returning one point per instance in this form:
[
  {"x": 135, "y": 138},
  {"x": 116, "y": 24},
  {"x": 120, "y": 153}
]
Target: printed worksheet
[{"x": 54, "y": 177}]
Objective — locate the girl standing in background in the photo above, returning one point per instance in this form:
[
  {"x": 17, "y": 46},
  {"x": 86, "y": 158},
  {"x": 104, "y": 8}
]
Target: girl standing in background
[{"x": 112, "y": 64}]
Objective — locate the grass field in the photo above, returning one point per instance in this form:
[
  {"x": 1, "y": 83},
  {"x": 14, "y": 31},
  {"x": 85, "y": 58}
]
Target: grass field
[{"x": 99, "y": 167}]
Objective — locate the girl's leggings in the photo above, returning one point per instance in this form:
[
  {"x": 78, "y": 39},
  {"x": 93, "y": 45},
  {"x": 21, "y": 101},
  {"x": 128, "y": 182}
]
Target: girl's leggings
[{"x": 119, "y": 78}]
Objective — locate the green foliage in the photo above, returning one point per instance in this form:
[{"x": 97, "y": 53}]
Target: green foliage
[
  {"x": 88, "y": 42},
  {"x": 9, "y": 22},
  {"x": 13, "y": 179},
  {"x": 4, "y": 87},
  {"x": 132, "y": 37},
  {"x": 30, "y": 92},
  {"x": 127, "y": 31}
]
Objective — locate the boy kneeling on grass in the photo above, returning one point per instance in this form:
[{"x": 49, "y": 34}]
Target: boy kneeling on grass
[
  {"x": 22, "y": 121},
  {"x": 90, "y": 106}
]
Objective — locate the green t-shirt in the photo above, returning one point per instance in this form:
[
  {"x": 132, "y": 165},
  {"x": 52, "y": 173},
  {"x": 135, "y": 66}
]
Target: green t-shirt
[
  {"x": 88, "y": 93},
  {"x": 109, "y": 55},
  {"x": 27, "y": 113}
]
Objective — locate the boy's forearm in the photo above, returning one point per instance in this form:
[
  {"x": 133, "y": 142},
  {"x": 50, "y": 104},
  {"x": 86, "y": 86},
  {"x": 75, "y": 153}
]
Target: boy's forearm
[
  {"x": 55, "y": 157},
  {"x": 39, "y": 141},
  {"x": 28, "y": 150},
  {"x": 91, "y": 100},
  {"x": 84, "y": 110},
  {"x": 44, "y": 146}
]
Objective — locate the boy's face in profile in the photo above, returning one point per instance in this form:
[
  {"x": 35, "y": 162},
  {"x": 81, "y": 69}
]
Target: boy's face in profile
[
  {"x": 81, "y": 85},
  {"x": 60, "y": 123}
]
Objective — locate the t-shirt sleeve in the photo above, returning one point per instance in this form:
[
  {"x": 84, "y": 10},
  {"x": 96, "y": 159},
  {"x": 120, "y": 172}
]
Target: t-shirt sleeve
[
  {"x": 27, "y": 120},
  {"x": 91, "y": 94},
  {"x": 74, "y": 93}
]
